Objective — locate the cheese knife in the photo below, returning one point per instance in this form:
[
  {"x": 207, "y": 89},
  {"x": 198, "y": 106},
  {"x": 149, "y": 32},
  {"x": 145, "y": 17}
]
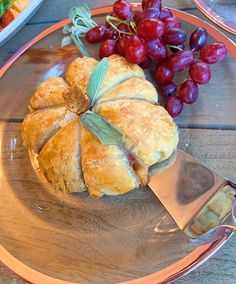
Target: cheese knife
[{"x": 198, "y": 199}]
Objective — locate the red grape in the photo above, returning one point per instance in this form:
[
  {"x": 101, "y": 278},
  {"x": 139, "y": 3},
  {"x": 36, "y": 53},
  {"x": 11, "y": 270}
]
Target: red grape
[
  {"x": 188, "y": 91},
  {"x": 174, "y": 106},
  {"x": 150, "y": 29},
  {"x": 169, "y": 89},
  {"x": 151, "y": 4},
  {"x": 137, "y": 16},
  {"x": 156, "y": 50},
  {"x": 107, "y": 48},
  {"x": 96, "y": 34},
  {"x": 135, "y": 50},
  {"x": 122, "y": 9},
  {"x": 176, "y": 48},
  {"x": 144, "y": 3},
  {"x": 112, "y": 34},
  {"x": 174, "y": 36},
  {"x": 198, "y": 39},
  {"x": 171, "y": 22},
  {"x": 149, "y": 13},
  {"x": 123, "y": 28},
  {"x": 165, "y": 13},
  {"x": 121, "y": 45},
  {"x": 180, "y": 60},
  {"x": 213, "y": 53},
  {"x": 200, "y": 73},
  {"x": 163, "y": 74},
  {"x": 146, "y": 62}
]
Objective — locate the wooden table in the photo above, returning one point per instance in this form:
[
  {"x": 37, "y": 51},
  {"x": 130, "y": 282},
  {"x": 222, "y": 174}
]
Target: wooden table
[{"x": 216, "y": 148}]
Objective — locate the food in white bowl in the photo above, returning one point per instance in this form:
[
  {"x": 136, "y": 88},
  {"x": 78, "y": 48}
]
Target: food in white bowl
[{"x": 10, "y": 9}]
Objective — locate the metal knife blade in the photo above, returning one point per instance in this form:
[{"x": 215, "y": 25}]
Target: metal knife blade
[{"x": 196, "y": 197}]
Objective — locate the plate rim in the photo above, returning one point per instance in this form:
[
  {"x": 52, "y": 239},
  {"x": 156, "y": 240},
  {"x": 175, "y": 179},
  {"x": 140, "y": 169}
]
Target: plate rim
[
  {"x": 177, "y": 269},
  {"x": 210, "y": 14},
  {"x": 166, "y": 275}
]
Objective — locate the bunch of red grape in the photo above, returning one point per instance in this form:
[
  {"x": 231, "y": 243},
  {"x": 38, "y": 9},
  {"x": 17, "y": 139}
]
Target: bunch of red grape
[{"x": 154, "y": 34}]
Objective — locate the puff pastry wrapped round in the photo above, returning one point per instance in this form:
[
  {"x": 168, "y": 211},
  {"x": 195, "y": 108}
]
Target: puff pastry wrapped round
[{"x": 71, "y": 157}]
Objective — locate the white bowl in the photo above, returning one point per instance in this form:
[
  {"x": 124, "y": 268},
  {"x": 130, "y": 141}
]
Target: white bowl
[{"x": 19, "y": 21}]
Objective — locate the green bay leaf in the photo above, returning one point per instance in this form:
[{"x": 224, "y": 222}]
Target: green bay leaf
[
  {"x": 96, "y": 80},
  {"x": 81, "y": 22},
  {"x": 106, "y": 133},
  {"x": 66, "y": 41},
  {"x": 80, "y": 45}
]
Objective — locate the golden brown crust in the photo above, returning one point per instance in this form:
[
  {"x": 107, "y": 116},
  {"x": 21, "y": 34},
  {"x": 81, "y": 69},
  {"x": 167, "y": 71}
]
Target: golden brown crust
[
  {"x": 119, "y": 70},
  {"x": 133, "y": 88},
  {"x": 60, "y": 159},
  {"x": 150, "y": 133},
  {"x": 127, "y": 101},
  {"x": 142, "y": 173},
  {"x": 40, "y": 125},
  {"x": 76, "y": 100},
  {"x": 49, "y": 93},
  {"x": 80, "y": 71},
  {"x": 106, "y": 168}
]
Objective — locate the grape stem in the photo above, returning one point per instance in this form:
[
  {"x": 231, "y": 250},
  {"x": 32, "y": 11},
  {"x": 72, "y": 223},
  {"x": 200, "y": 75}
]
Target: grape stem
[
  {"x": 110, "y": 20},
  {"x": 176, "y": 47}
]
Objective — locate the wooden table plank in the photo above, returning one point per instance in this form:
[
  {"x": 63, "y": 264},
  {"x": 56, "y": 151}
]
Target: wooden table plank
[
  {"x": 213, "y": 148},
  {"x": 9, "y": 277},
  {"x": 60, "y": 10},
  {"x": 24, "y": 35},
  {"x": 217, "y": 148}
]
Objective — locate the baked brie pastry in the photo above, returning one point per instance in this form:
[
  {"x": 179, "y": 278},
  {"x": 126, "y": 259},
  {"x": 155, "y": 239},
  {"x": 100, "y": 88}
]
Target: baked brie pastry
[{"x": 71, "y": 157}]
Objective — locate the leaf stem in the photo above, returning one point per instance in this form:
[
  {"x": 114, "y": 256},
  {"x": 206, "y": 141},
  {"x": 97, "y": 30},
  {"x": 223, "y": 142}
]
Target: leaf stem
[{"x": 79, "y": 45}]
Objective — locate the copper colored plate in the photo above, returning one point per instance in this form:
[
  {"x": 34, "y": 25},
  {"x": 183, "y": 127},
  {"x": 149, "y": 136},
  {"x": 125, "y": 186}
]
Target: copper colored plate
[
  {"x": 171, "y": 273},
  {"x": 48, "y": 203},
  {"x": 209, "y": 11}
]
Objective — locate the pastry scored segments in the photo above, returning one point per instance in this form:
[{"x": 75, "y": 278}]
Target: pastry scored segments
[{"x": 72, "y": 158}]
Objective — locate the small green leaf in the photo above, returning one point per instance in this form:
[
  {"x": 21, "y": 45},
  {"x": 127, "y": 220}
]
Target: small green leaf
[
  {"x": 72, "y": 13},
  {"x": 82, "y": 11},
  {"x": 96, "y": 80},
  {"x": 4, "y": 5},
  {"x": 66, "y": 29},
  {"x": 81, "y": 15},
  {"x": 2, "y": 10},
  {"x": 80, "y": 45},
  {"x": 88, "y": 23},
  {"x": 81, "y": 22},
  {"x": 80, "y": 30},
  {"x": 67, "y": 40},
  {"x": 86, "y": 8},
  {"x": 101, "y": 128}
]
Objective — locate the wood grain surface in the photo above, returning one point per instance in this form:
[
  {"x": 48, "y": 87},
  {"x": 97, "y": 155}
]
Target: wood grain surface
[{"x": 217, "y": 148}]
